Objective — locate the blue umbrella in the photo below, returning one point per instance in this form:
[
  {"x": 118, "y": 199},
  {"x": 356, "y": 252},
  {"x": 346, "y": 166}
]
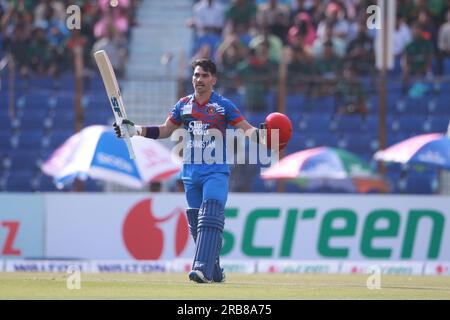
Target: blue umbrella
[
  {"x": 97, "y": 153},
  {"x": 431, "y": 149}
]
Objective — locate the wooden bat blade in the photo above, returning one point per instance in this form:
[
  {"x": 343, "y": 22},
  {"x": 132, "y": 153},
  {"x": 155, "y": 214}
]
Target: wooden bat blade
[{"x": 113, "y": 92}]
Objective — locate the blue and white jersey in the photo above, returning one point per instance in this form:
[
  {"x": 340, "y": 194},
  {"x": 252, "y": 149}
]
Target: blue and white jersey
[{"x": 198, "y": 120}]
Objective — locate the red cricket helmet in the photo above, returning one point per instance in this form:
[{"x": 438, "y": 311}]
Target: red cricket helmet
[{"x": 281, "y": 122}]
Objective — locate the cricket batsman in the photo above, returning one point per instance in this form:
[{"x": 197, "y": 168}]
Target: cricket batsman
[{"x": 205, "y": 183}]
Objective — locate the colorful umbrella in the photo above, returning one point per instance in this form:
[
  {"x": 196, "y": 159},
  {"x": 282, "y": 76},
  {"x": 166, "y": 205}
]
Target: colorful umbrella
[
  {"x": 96, "y": 152},
  {"x": 327, "y": 167},
  {"x": 431, "y": 149}
]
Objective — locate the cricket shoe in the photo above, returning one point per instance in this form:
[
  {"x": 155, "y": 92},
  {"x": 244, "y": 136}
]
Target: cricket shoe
[{"x": 198, "y": 276}]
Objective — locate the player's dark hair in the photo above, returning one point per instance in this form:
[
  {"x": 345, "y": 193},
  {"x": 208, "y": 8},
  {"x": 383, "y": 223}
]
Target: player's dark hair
[{"x": 206, "y": 64}]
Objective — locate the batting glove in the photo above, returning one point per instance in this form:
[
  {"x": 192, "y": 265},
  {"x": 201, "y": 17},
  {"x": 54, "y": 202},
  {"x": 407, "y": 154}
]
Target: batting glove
[{"x": 127, "y": 126}]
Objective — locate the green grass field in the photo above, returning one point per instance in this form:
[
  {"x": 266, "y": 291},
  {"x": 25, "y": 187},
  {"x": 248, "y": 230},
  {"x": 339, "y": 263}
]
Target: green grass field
[{"x": 238, "y": 286}]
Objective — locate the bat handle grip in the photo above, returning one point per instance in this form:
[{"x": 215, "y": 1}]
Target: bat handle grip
[{"x": 129, "y": 146}]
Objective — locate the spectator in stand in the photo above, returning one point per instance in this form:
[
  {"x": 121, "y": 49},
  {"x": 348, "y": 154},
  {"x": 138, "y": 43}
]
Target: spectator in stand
[
  {"x": 437, "y": 10},
  {"x": 328, "y": 67},
  {"x": 275, "y": 17},
  {"x": 419, "y": 6},
  {"x": 57, "y": 35},
  {"x": 229, "y": 55},
  {"x": 208, "y": 17},
  {"x": 350, "y": 94},
  {"x": 339, "y": 45},
  {"x": 429, "y": 30},
  {"x": 26, "y": 6},
  {"x": 317, "y": 12},
  {"x": 335, "y": 17},
  {"x": 115, "y": 16},
  {"x": 443, "y": 45},
  {"x": 257, "y": 74},
  {"x": 208, "y": 22},
  {"x": 417, "y": 56},
  {"x": 18, "y": 47},
  {"x": 302, "y": 32},
  {"x": 14, "y": 16},
  {"x": 240, "y": 16},
  {"x": 361, "y": 16},
  {"x": 350, "y": 8},
  {"x": 275, "y": 44},
  {"x": 405, "y": 9},
  {"x": 402, "y": 36},
  {"x": 300, "y": 70},
  {"x": 329, "y": 64},
  {"x": 36, "y": 33},
  {"x": 40, "y": 53},
  {"x": 360, "y": 52},
  {"x": 104, "y": 5},
  {"x": 16, "y": 29},
  {"x": 116, "y": 47},
  {"x": 56, "y": 7},
  {"x": 297, "y": 8},
  {"x": 243, "y": 34}
]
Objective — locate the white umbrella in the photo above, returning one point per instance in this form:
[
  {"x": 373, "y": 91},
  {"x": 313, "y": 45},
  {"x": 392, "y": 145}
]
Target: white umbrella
[{"x": 97, "y": 153}]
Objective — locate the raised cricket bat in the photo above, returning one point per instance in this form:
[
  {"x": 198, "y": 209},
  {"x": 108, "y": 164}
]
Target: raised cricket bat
[{"x": 113, "y": 91}]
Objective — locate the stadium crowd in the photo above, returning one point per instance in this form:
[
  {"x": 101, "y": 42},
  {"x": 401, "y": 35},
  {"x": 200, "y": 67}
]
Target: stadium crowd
[
  {"x": 320, "y": 41},
  {"x": 37, "y": 36}
]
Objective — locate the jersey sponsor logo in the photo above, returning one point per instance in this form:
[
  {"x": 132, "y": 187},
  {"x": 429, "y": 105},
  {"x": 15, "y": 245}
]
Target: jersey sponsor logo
[
  {"x": 187, "y": 109},
  {"x": 145, "y": 231},
  {"x": 198, "y": 128}
]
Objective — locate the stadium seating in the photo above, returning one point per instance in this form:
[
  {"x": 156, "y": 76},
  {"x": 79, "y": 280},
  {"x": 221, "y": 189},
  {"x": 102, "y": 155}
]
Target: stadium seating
[
  {"x": 436, "y": 123},
  {"x": 295, "y": 103},
  {"x": 439, "y": 106},
  {"x": 31, "y": 139},
  {"x": 348, "y": 124},
  {"x": 45, "y": 118},
  {"x": 322, "y": 105},
  {"x": 420, "y": 182},
  {"x": 46, "y": 184},
  {"x": 19, "y": 181}
]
